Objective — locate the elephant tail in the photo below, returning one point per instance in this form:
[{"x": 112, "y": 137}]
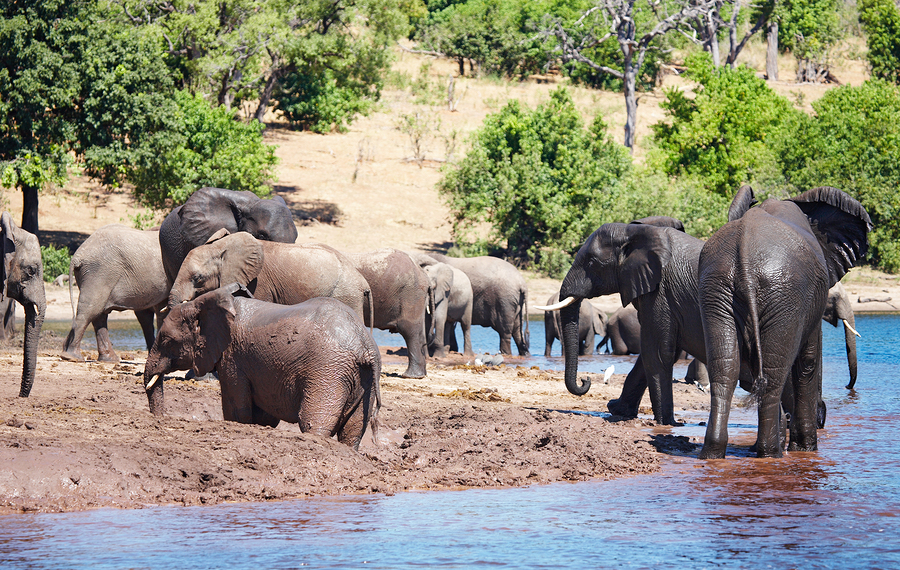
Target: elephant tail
[
  {"x": 755, "y": 342},
  {"x": 370, "y": 375},
  {"x": 430, "y": 331},
  {"x": 368, "y": 295}
]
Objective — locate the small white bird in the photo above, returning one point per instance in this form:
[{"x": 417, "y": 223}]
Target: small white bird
[{"x": 609, "y": 372}]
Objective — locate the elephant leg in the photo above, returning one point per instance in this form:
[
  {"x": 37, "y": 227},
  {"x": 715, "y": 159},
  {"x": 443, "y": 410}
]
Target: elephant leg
[
  {"x": 549, "y": 335},
  {"x": 807, "y": 377},
  {"x": 658, "y": 370},
  {"x": 237, "y": 397},
  {"x": 588, "y": 347},
  {"x": 145, "y": 318},
  {"x": 505, "y": 344},
  {"x": 352, "y": 430},
  {"x": 414, "y": 335},
  {"x": 105, "y": 352},
  {"x": 467, "y": 338},
  {"x": 450, "y": 336},
  {"x": 437, "y": 346},
  {"x": 518, "y": 335},
  {"x": 724, "y": 369},
  {"x": 263, "y": 418},
  {"x": 8, "y": 314},
  {"x": 628, "y": 403}
]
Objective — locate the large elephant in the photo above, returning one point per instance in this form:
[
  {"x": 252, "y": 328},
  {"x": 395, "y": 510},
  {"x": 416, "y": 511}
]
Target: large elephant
[
  {"x": 591, "y": 322},
  {"x": 656, "y": 269},
  {"x": 210, "y": 209},
  {"x": 401, "y": 300},
  {"x": 838, "y": 309},
  {"x": 623, "y": 332},
  {"x": 117, "y": 269},
  {"x": 452, "y": 304},
  {"x": 499, "y": 298},
  {"x": 22, "y": 279},
  {"x": 313, "y": 363},
  {"x": 281, "y": 273},
  {"x": 763, "y": 284}
]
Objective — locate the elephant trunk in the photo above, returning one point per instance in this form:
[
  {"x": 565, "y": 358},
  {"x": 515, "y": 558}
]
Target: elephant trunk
[
  {"x": 850, "y": 341},
  {"x": 179, "y": 294},
  {"x": 570, "y": 317},
  {"x": 154, "y": 371},
  {"x": 430, "y": 318},
  {"x": 34, "y": 320}
]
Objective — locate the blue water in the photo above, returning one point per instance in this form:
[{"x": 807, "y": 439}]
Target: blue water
[{"x": 837, "y": 508}]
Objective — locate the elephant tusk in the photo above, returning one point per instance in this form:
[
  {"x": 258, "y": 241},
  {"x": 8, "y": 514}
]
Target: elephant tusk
[
  {"x": 851, "y": 329},
  {"x": 555, "y": 307},
  {"x": 152, "y": 381}
]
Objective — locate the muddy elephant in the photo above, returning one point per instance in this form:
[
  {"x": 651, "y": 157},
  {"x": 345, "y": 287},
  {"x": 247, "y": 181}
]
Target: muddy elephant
[
  {"x": 763, "y": 283},
  {"x": 655, "y": 268},
  {"x": 117, "y": 269},
  {"x": 22, "y": 280},
  {"x": 838, "y": 309},
  {"x": 313, "y": 363},
  {"x": 275, "y": 272},
  {"x": 210, "y": 209},
  {"x": 592, "y": 321},
  {"x": 452, "y": 304},
  {"x": 623, "y": 332},
  {"x": 500, "y": 298},
  {"x": 400, "y": 297}
]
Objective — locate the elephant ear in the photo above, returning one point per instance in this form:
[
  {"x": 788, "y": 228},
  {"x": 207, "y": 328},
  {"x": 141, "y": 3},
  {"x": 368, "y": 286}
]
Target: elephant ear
[
  {"x": 841, "y": 225},
  {"x": 219, "y": 234},
  {"x": 215, "y": 315},
  {"x": 242, "y": 258},
  {"x": 7, "y": 249},
  {"x": 211, "y": 209},
  {"x": 743, "y": 200},
  {"x": 645, "y": 254}
]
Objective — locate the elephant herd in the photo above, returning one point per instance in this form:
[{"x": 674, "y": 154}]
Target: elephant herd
[{"x": 287, "y": 327}]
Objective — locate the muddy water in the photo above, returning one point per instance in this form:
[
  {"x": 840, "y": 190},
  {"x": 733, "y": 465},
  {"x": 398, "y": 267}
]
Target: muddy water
[{"x": 837, "y": 508}]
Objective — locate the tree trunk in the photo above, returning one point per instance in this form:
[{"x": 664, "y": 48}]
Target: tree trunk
[
  {"x": 266, "y": 95},
  {"x": 711, "y": 39},
  {"x": 630, "y": 105},
  {"x": 30, "y": 209},
  {"x": 772, "y": 51}
]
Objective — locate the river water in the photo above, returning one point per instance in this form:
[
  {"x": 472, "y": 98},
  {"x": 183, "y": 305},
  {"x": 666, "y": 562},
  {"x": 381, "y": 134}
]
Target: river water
[{"x": 837, "y": 508}]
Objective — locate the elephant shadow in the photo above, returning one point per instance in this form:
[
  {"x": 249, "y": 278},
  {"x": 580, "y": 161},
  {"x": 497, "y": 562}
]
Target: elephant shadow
[{"x": 307, "y": 212}]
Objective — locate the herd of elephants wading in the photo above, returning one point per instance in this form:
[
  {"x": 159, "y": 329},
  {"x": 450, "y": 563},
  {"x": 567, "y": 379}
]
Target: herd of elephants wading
[{"x": 287, "y": 327}]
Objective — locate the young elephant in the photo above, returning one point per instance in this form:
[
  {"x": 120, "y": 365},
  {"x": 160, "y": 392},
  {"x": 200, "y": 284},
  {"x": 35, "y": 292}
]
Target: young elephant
[
  {"x": 117, "y": 269},
  {"x": 313, "y": 363},
  {"x": 591, "y": 322},
  {"x": 623, "y": 332},
  {"x": 452, "y": 304}
]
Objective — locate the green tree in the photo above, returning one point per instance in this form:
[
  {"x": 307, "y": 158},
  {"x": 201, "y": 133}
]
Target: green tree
[
  {"x": 539, "y": 178},
  {"x": 721, "y": 136},
  {"x": 881, "y": 22},
  {"x": 852, "y": 143}
]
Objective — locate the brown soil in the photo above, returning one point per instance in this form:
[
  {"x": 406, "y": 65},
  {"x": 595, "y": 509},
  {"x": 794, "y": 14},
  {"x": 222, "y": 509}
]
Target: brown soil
[{"x": 85, "y": 437}]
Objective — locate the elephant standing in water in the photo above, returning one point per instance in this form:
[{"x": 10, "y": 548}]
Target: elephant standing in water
[
  {"x": 313, "y": 363},
  {"x": 623, "y": 332},
  {"x": 592, "y": 322},
  {"x": 452, "y": 304},
  {"x": 400, "y": 296},
  {"x": 763, "y": 284},
  {"x": 210, "y": 209},
  {"x": 22, "y": 280},
  {"x": 838, "y": 309},
  {"x": 500, "y": 298},
  {"x": 117, "y": 269}
]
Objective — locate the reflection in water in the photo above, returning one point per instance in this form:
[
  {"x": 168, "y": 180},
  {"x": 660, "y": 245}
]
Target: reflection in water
[{"x": 837, "y": 508}]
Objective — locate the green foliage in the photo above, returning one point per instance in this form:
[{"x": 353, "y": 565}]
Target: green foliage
[
  {"x": 721, "y": 136},
  {"x": 539, "y": 178},
  {"x": 206, "y": 146},
  {"x": 315, "y": 101},
  {"x": 808, "y": 28},
  {"x": 56, "y": 262},
  {"x": 881, "y": 22},
  {"x": 853, "y": 143}
]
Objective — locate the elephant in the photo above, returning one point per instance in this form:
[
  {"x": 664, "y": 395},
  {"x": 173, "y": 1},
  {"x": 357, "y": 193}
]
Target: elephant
[
  {"x": 623, "y": 332},
  {"x": 452, "y": 304},
  {"x": 22, "y": 280},
  {"x": 655, "y": 268},
  {"x": 838, "y": 308},
  {"x": 400, "y": 296},
  {"x": 313, "y": 363},
  {"x": 117, "y": 269},
  {"x": 763, "y": 284},
  {"x": 275, "y": 272},
  {"x": 210, "y": 209},
  {"x": 499, "y": 298},
  {"x": 592, "y": 321}
]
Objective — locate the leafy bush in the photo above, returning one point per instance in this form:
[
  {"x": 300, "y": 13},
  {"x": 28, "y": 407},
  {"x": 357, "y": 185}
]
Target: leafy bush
[
  {"x": 203, "y": 146},
  {"x": 881, "y": 22},
  {"x": 721, "y": 136},
  {"x": 853, "y": 143},
  {"x": 315, "y": 101},
  {"x": 538, "y": 178},
  {"x": 56, "y": 262}
]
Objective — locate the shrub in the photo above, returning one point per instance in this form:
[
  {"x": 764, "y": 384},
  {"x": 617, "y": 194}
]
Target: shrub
[
  {"x": 56, "y": 262},
  {"x": 538, "y": 178},
  {"x": 881, "y": 22},
  {"x": 315, "y": 101}
]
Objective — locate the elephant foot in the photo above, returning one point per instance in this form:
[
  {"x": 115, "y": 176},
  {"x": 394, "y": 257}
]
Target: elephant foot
[
  {"x": 108, "y": 358},
  {"x": 670, "y": 421},
  {"x": 618, "y": 408},
  {"x": 71, "y": 356},
  {"x": 711, "y": 452},
  {"x": 440, "y": 353},
  {"x": 412, "y": 372},
  {"x": 797, "y": 447}
]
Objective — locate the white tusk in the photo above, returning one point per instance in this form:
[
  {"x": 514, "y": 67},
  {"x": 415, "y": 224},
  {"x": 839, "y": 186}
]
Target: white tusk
[
  {"x": 152, "y": 382},
  {"x": 564, "y": 303},
  {"x": 851, "y": 329}
]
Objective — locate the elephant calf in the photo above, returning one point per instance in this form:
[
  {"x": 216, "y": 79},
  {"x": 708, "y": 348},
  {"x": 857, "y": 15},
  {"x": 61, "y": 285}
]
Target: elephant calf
[{"x": 313, "y": 363}]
